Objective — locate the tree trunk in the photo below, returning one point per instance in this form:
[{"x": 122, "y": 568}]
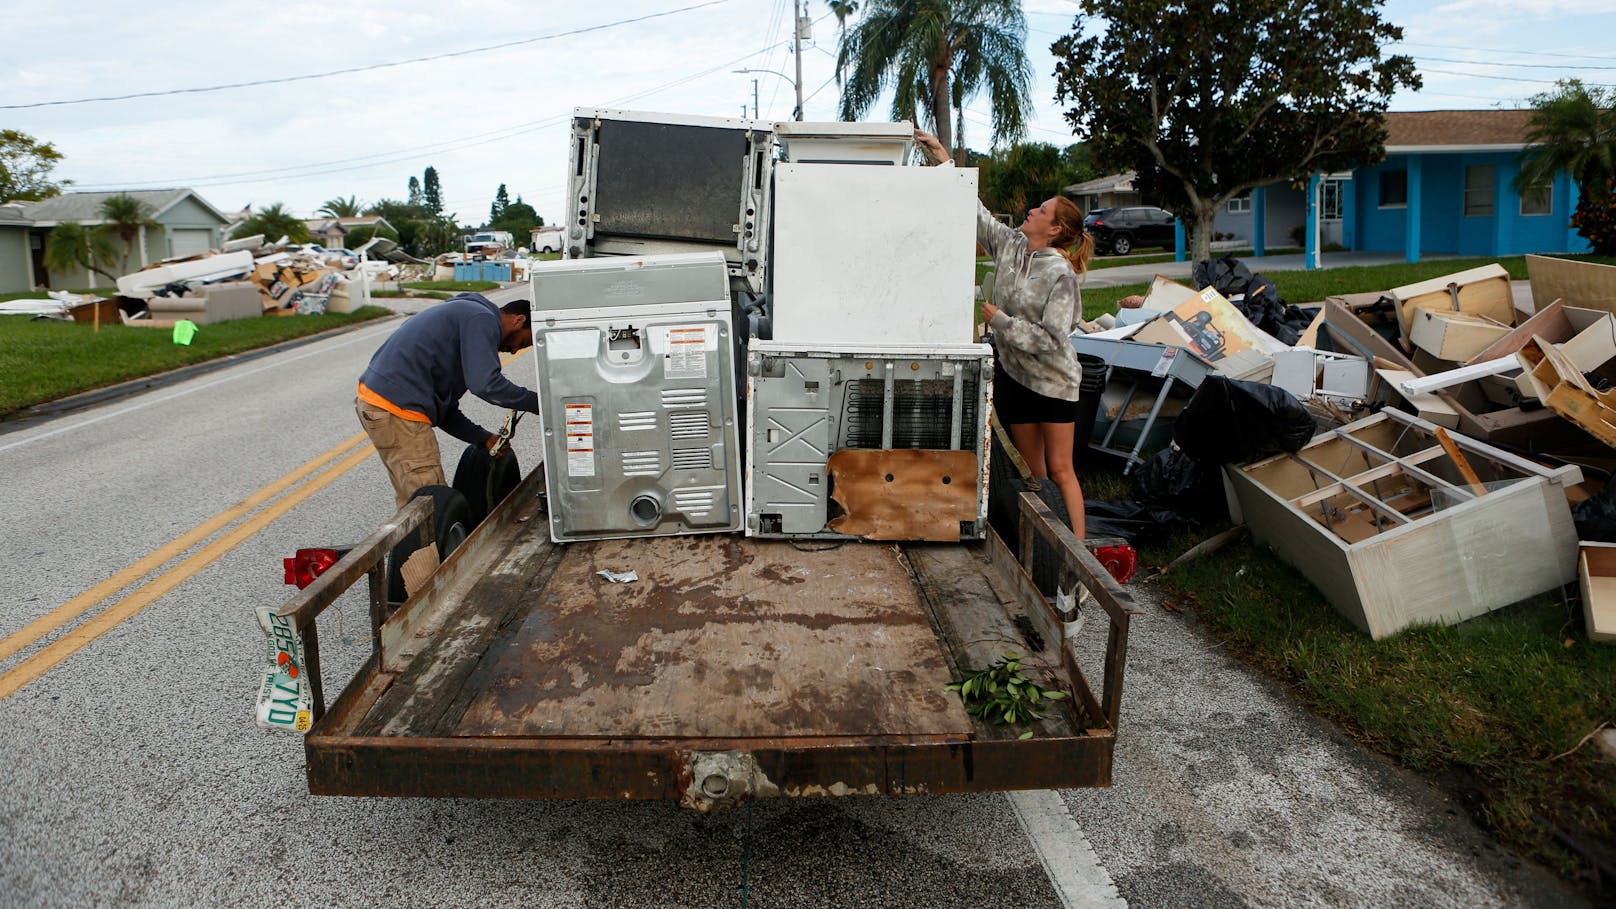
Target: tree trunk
[
  {"x": 1200, "y": 230},
  {"x": 941, "y": 106}
]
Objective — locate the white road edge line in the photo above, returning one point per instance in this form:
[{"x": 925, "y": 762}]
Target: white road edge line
[
  {"x": 1073, "y": 868},
  {"x": 230, "y": 376}
]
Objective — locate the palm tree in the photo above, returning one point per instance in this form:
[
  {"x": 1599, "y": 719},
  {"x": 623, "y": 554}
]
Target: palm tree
[
  {"x": 922, "y": 48},
  {"x": 127, "y": 218},
  {"x": 72, "y": 245},
  {"x": 843, "y": 9},
  {"x": 340, "y": 207},
  {"x": 275, "y": 222},
  {"x": 1574, "y": 129}
]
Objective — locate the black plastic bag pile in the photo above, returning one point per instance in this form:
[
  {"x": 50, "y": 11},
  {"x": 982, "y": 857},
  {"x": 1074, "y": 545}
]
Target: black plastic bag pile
[
  {"x": 1226, "y": 422},
  {"x": 1254, "y": 295}
]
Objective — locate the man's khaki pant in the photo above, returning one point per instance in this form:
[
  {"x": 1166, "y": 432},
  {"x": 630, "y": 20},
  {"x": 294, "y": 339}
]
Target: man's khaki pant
[{"x": 409, "y": 450}]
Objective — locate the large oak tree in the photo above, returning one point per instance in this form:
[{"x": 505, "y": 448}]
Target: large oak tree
[{"x": 1209, "y": 99}]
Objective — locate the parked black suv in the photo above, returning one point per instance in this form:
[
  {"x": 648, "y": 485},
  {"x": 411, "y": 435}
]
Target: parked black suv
[{"x": 1117, "y": 231}]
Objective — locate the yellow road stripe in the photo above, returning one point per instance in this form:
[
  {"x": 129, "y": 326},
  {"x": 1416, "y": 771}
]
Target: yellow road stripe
[
  {"x": 89, "y": 599},
  {"x": 79, "y": 638}
]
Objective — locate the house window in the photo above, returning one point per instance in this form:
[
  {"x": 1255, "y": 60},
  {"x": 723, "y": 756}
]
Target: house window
[
  {"x": 1478, "y": 191},
  {"x": 1330, "y": 196},
  {"x": 1393, "y": 188},
  {"x": 1538, "y": 198},
  {"x": 1240, "y": 204}
]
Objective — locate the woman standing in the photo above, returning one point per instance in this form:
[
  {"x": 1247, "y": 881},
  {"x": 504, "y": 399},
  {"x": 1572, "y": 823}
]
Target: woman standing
[{"x": 1034, "y": 310}]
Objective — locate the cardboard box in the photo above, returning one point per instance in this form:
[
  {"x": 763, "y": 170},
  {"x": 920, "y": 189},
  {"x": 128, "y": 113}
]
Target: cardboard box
[{"x": 1212, "y": 327}]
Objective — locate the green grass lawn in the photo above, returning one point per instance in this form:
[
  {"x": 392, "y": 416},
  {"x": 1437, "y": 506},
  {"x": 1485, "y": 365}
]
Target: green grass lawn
[{"x": 45, "y": 360}]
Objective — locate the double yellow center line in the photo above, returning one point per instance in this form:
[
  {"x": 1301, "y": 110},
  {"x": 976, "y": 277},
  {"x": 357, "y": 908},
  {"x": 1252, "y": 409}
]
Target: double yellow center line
[
  {"x": 13, "y": 680},
  {"x": 78, "y": 638}
]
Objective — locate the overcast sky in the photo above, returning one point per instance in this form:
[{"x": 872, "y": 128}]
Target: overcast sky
[{"x": 486, "y": 117}]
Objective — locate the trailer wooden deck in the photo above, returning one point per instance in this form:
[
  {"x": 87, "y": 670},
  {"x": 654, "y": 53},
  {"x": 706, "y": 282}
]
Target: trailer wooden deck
[{"x": 731, "y": 669}]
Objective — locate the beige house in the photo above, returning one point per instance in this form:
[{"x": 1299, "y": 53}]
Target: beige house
[
  {"x": 332, "y": 233},
  {"x": 185, "y": 224}
]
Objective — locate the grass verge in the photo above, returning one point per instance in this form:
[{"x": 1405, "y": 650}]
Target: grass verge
[
  {"x": 452, "y": 286},
  {"x": 45, "y": 360}
]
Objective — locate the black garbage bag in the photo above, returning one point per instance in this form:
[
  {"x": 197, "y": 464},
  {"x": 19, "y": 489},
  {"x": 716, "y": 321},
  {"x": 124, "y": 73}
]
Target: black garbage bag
[
  {"x": 1130, "y": 520},
  {"x": 1254, "y": 295},
  {"x": 1228, "y": 421},
  {"x": 1176, "y": 482},
  {"x": 1595, "y": 516}
]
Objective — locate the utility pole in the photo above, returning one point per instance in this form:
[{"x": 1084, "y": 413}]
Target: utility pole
[
  {"x": 754, "y": 100},
  {"x": 798, "y": 13}
]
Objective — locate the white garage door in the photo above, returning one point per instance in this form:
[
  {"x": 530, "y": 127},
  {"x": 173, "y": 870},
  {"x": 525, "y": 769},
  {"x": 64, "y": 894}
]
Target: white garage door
[{"x": 189, "y": 242}]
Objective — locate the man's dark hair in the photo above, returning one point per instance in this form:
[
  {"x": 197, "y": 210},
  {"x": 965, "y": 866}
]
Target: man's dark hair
[{"x": 519, "y": 308}]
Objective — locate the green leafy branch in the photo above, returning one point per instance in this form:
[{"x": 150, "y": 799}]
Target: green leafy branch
[{"x": 1003, "y": 696}]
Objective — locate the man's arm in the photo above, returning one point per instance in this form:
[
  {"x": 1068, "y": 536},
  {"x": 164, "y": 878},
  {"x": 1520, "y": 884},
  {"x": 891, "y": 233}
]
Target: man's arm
[
  {"x": 460, "y": 426},
  {"x": 485, "y": 377}
]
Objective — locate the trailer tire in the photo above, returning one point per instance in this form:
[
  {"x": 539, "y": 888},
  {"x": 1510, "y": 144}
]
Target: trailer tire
[
  {"x": 451, "y": 524},
  {"x": 484, "y": 480}
]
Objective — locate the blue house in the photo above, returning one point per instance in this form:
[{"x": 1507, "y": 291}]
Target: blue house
[{"x": 1447, "y": 186}]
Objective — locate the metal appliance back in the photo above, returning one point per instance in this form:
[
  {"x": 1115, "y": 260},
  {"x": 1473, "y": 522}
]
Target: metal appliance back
[
  {"x": 638, "y": 396},
  {"x": 805, "y": 404}
]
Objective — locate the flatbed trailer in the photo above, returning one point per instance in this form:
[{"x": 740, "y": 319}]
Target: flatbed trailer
[{"x": 732, "y": 669}]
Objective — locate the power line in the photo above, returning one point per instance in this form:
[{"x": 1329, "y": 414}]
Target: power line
[
  {"x": 402, "y": 155},
  {"x": 1449, "y": 72},
  {"x": 361, "y": 69},
  {"x": 1500, "y": 50},
  {"x": 1520, "y": 65}
]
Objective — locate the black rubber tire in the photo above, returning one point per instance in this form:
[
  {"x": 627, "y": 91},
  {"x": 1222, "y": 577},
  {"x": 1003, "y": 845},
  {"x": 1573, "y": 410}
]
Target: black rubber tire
[
  {"x": 451, "y": 524},
  {"x": 1121, "y": 244},
  {"x": 485, "y": 481}
]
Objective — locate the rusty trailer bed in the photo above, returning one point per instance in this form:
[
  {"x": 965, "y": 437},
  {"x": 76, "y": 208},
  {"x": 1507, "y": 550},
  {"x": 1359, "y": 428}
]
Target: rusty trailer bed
[{"x": 733, "y": 668}]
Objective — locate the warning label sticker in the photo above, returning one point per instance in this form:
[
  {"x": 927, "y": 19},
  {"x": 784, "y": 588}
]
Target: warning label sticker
[
  {"x": 580, "y": 430},
  {"x": 686, "y": 356}
]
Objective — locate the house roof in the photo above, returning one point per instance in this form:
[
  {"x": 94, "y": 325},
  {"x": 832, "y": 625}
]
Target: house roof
[
  {"x": 1114, "y": 183},
  {"x": 321, "y": 225},
  {"x": 85, "y": 208},
  {"x": 1452, "y": 129}
]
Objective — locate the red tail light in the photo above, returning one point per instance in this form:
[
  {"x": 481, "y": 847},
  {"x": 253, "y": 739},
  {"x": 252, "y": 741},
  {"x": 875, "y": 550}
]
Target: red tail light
[
  {"x": 1121, "y": 560},
  {"x": 308, "y": 564},
  {"x": 1096, "y": 223}
]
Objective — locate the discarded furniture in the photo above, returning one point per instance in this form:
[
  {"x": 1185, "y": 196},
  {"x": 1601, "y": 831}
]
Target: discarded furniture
[
  {"x": 1386, "y": 524},
  {"x": 1140, "y": 367},
  {"x": 208, "y": 304},
  {"x": 1561, "y": 385},
  {"x": 204, "y": 268},
  {"x": 1596, "y": 575},
  {"x": 1588, "y": 285},
  {"x": 1480, "y": 291}
]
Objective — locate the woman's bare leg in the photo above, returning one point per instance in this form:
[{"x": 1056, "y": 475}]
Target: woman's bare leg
[
  {"x": 1030, "y": 442},
  {"x": 1057, "y": 451}
]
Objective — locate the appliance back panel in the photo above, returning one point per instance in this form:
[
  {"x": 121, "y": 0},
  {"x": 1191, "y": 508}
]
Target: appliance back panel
[{"x": 667, "y": 181}]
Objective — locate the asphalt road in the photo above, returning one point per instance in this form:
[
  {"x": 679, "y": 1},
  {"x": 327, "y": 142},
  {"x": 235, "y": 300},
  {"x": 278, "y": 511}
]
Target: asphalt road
[{"x": 134, "y": 775}]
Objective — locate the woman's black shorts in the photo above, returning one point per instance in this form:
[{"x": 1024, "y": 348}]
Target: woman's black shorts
[{"x": 1016, "y": 403}]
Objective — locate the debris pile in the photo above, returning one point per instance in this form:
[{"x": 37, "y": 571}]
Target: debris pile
[{"x": 1457, "y": 428}]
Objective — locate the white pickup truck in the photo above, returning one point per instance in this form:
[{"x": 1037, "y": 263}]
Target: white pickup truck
[{"x": 484, "y": 242}]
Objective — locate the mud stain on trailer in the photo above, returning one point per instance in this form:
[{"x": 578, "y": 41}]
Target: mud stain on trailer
[{"x": 723, "y": 637}]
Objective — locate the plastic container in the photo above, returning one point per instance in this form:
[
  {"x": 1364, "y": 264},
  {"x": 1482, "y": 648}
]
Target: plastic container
[
  {"x": 468, "y": 271},
  {"x": 1088, "y": 405}
]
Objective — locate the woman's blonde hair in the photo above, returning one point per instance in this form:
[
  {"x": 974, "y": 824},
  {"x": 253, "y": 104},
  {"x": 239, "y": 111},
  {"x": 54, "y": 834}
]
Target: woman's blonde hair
[{"x": 1073, "y": 241}]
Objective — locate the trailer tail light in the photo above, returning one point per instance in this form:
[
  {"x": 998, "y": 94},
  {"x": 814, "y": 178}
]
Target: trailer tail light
[
  {"x": 1120, "y": 559},
  {"x": 308, "y": 564}
]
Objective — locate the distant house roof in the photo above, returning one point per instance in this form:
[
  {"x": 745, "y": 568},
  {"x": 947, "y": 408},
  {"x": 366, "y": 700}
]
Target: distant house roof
[
  {"x": 1429, "y": 130},
  {"x": 1116, "y": 183},
  {"x": 85, "y": 208},
  {"x": 321, "y": 225}
]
